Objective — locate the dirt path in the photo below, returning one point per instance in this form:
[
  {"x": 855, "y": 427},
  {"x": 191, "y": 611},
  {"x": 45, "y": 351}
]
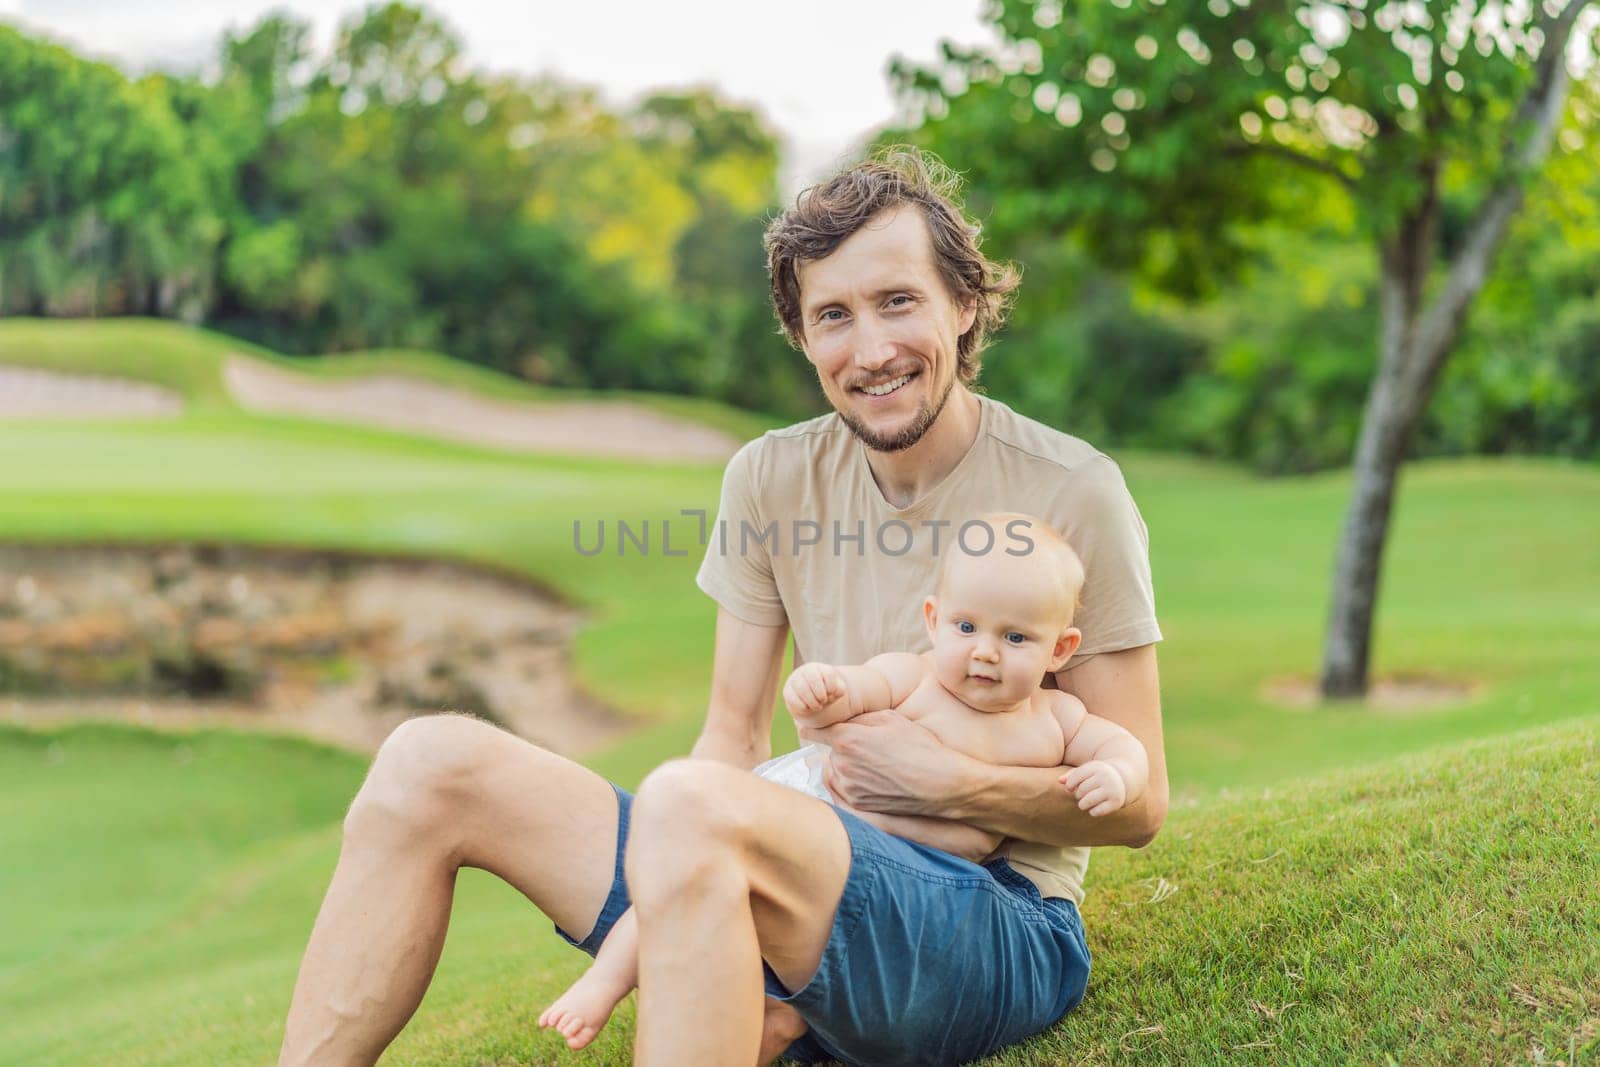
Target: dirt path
[
  {"x": 28, "y": 393},
  {"x": 617, "y": 429},
  {"x": 339, "y": 648}
]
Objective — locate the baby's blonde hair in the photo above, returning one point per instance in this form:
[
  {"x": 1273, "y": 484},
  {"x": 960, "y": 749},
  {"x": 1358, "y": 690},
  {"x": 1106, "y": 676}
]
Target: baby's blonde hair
[{"x": 1038, "y": 540}]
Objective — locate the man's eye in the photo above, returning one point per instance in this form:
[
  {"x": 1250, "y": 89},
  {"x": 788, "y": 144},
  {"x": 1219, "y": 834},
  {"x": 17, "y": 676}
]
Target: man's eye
[
  {"x": 827, "y": 316},
  {"x": 896, "y": 299},
  {"x": 965, "y": 627}
]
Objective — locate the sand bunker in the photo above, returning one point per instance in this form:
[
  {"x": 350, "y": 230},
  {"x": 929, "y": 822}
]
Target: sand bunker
[
  {"x": 28, "y": 393},
  {"x": 411, "y": 405},
  {"x": 340, "y": 648}
]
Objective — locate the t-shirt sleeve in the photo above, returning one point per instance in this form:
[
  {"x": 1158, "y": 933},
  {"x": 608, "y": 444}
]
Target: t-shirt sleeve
[
  {"x": 737, "y": 571},
  {"x": 1117, "y": 609}
]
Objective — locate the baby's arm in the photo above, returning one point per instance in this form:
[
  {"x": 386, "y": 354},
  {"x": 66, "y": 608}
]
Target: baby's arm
[
  {"x": 1109, "y": 765},
  {"x": 821, "y": 694}
]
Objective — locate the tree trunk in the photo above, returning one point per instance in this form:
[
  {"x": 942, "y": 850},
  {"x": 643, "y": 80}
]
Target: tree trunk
[
  {"x": 1386, "y": 427},
  {"x": 1416, "y": 342}
]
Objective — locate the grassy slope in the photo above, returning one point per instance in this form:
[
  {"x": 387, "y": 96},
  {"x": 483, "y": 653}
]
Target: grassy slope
[
  {"x": 190, "y": 360},
  {"x": 1436, "y": 908}
]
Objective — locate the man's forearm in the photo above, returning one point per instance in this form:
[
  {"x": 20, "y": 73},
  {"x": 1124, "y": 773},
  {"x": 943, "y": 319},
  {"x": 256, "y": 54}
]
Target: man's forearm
[
  {"x": 743, "y": 753},
  {"x": 1029, "y": 803}
]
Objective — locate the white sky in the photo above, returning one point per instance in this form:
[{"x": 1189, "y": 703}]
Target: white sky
[{"x": 814, "y": 68}]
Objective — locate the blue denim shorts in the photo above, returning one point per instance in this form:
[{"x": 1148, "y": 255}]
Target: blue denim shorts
[{"x": 931, "y": 959}]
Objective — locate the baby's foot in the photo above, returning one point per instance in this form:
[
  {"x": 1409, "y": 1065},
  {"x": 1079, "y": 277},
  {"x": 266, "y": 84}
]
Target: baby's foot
[
  {"x": 780, "y": 1026},
  {"x": 580, "y": 1013}
]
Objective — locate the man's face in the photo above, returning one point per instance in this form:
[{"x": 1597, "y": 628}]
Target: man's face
[{"x": 881, "y": 329}]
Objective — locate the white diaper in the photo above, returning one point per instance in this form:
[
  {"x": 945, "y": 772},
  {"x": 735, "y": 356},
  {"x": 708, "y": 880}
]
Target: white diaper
[{"x": 800, "y": 770}]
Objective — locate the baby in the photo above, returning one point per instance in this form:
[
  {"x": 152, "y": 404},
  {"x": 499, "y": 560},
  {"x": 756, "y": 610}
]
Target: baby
[{"x": 998, "y": 622}]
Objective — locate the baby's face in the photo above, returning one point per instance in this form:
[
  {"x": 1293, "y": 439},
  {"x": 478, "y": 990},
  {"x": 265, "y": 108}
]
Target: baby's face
[{"x": 994, "y": 631}]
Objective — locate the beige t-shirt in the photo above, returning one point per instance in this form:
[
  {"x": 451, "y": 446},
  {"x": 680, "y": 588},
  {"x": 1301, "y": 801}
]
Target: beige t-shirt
[{"x": 804, "y": 536}]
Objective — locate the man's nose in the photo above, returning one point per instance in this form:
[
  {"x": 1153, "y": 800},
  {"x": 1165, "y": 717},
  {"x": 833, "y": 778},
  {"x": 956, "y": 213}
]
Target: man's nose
[{"x": 874, "y": 346}]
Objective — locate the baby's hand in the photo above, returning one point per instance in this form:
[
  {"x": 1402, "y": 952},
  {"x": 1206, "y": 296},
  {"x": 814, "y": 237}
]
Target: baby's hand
[
  {"x": 1098, "y": 786},
  {"x": 813, "y": 687}
]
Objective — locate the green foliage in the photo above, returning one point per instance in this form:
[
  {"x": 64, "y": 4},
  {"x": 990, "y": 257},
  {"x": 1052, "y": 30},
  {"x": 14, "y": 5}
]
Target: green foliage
[
  {"x": 1155, "y": 128},
  {"x": 102, "y": 208},
  {"x": 1083, "y": 351},
  {"x": 1220, "y": 151},
  {"x": 383, "y": 194}
]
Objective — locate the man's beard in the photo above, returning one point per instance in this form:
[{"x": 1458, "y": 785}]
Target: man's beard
[{"x": 910, "y": 435}]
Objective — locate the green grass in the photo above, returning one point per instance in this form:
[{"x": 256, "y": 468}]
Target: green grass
[
  {"x": 169, "y": 883},
  {"x": 189, "y": 360},
  {"x": 1435, "y": 909}
]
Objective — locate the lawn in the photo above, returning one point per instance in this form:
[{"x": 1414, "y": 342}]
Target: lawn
[
  {"x": 1432, "y": 888},
  {"x": 1433, "y": 909}
]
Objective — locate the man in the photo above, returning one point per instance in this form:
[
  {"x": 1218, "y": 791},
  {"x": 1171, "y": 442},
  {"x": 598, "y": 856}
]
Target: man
[{"x": 890, "y": 952}]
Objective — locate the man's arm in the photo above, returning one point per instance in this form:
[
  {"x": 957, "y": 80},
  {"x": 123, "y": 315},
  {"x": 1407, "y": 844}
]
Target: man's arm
[
  {"x": 744, "y": 685},
  {"x": 883, "y": 762}
]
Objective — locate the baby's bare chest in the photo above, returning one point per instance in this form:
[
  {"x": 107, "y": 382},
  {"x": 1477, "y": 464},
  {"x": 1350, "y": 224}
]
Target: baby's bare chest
[{"x": 1028, "y": 737}]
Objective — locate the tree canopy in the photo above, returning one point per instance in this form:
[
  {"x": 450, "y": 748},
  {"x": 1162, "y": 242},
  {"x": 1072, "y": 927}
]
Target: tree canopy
[{"x": 384, "y": 194}]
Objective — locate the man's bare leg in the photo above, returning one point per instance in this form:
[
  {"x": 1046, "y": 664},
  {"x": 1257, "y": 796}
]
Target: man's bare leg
[
  {"x": 444, "y": 792},
  {"x": 725, "y": 870}
]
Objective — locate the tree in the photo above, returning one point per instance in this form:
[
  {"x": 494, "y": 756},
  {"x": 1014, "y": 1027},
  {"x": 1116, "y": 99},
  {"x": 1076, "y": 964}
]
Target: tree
[
  {"x": 102, "y": 206},
  {"x": 1157, "y": 131}
]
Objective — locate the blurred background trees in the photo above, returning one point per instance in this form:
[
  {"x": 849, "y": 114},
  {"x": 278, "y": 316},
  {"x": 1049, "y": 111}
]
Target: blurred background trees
[
  {"x": 1210, "y": 200},
  {"x": 386, "y": 195}
]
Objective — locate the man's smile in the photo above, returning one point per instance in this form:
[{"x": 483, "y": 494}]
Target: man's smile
[{"x": 888, "y": 388}]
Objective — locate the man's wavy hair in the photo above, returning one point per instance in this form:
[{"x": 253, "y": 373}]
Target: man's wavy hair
[{"x": 824, "y": 215}]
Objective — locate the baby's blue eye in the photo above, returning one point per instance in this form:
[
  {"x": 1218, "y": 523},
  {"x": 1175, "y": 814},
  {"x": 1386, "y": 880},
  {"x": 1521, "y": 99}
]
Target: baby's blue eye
[
  {"x": 1015, "y": 638},
  {"x": 965, "y": 627}
]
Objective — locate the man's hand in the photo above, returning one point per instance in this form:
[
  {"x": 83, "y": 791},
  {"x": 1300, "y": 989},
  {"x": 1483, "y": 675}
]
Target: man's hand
[
  {"x": 1099, "y": 787},
  {"x": 813, "y": 687},
  {"x": 882, "y": 761}
]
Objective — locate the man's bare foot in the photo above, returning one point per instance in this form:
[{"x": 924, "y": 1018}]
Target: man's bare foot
[
  {"x": 580, "y": 1013},
  {"x": 780, "y": 1025}
]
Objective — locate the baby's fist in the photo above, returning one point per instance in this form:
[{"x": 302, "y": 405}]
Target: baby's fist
[
  {"x": 1098, "y": 786},
  {"x": 813, "y": 687}
]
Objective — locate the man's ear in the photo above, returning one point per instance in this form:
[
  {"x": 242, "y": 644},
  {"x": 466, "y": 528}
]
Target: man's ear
[
  {"x": 1066, "y": 645},
  {"x": 930, "y": 614},
  {"x": 969, "y": 315}
]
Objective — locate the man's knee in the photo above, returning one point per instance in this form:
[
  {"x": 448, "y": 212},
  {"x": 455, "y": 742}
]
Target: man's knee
[
  {"x": 686, "y": 819},
  {"x": 422, "y": 777},
  {"x": 695, "y": 796}
]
